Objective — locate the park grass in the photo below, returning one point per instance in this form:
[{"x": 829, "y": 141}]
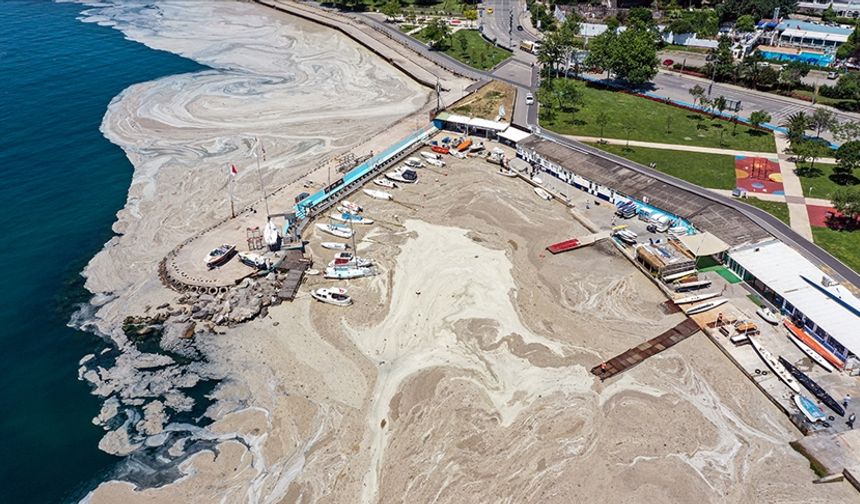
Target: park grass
[
  {"x": 818, "y": 181},
  {"x": 650, "y": 121},
  {"x": 716, "y": 171},
  {"x": 775, "y": 208},
  {"x": 470, "y": 47},
  {"x": 844, "y": 245}
]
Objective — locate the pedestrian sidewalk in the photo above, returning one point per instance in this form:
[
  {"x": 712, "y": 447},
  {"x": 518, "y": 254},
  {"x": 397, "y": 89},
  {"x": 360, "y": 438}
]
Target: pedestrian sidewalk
[
  {"x": 798, "y": 215},
  {"x": 677, "y": 147}
]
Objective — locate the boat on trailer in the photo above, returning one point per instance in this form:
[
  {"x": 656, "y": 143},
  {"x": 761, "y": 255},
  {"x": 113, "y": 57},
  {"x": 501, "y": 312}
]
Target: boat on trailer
[
  {"x": 695, "y": 298},
  {"x": 334, "y": 245},
  {"x": 332, "y": 295},
  {"x": 380, "y": 195},
  {"x": 798, "y": 334},
  {"x": 219, "y": 255},
  {"x": 812, "y": 386},
  {"x": 338, "y": 230},
  {"x": 775, "y": 365},
  {"x": 809, "y": 409},
  {"x": 703, "y": 307}
]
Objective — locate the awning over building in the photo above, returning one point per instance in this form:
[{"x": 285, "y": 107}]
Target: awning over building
[
  {"x": 832, "y": 307},
  {"x": 814, "y": 35},
  {"x": 473, "y": 122},
  {"x": 703, "y": 244},
  {"x": 514, "y": 134}
]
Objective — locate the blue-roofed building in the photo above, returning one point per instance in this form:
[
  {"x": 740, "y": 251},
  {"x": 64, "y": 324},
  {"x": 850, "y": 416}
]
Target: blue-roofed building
[{"x": 812, "y": 35}]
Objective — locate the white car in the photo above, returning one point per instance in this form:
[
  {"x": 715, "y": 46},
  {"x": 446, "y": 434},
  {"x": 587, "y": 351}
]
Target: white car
[{"x": 530, "y": 99}]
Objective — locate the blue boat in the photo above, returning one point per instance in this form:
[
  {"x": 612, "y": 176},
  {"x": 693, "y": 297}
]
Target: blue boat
[{"x": 809, "y": 409}]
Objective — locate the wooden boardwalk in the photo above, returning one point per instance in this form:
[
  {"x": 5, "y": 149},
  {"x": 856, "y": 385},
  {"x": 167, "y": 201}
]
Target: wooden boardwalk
[
  {"x": 295, "y": 264},
  {"x": 633, "y": 356}
]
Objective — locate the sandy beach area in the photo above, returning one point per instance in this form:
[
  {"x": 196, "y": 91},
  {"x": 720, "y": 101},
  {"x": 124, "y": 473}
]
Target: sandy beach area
[{"x": 460, "y": 372}]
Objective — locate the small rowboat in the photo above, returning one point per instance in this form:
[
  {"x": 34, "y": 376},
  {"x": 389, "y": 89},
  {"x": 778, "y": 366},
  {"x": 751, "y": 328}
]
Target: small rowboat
[
  {"x": 542, "y": 193},
  {"x": 338, "y": 230},
  {"x": 703, "y": 307},
  {"x": 768, "y": 315},
  {"x": 775, "y": 366},
  {"x": 334, "y": 245},
  {"x": 385, "y": 183},
  {"x": 220, "y": 255},
  {"x": 350, "y": 217},
  {"x": 332, "y": 295},
  {"x": 440, "y": 149},
  {"x": 382, "y": 195},
  {"x": 696, "y": 298},
  {"x": 430, "y": 155},
  {"x": 809, "y": 409},
  {"x": 813, "y": 344},
  {"x": 507, "y": 172}
]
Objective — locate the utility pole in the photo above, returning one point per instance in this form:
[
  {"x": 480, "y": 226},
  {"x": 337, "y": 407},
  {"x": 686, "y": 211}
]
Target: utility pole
[
  {"x": 511, "y": 28},
  {"x": 260, "y": 175}
]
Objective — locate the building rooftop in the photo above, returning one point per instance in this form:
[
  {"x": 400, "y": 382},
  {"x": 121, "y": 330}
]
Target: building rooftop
[
  {"x": 806, "y": 26},
  {"x": 832, "y": 307}
]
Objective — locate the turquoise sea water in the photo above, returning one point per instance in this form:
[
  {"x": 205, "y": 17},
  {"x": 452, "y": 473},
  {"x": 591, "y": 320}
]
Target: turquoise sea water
[{"x": 62, "y": 185}]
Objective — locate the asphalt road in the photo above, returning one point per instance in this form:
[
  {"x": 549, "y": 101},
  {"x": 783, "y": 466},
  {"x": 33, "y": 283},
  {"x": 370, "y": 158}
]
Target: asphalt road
[
  {"x": 502, "y": 23},
  {"x": 770, "y": 223}
]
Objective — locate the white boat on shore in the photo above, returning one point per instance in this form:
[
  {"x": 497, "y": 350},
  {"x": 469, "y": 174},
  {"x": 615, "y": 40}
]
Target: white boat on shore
[
  {"x": 256, "y": 261},
  {"x": 383, "y": 182},
  {"x": 332, "y": 295},
  {"x": 430, "y": 155},
  {"x": 809, "y": 409},
  {"x": 775, "y": 366},
  {"x": 703, "y": 307},
  {"x": 219, "y": 255},
  {"x": 627, "y": 236},
  {"x": 696, "y": 298},
  {"x": 405, "y": 176},
  {"x": 351, "y": 207},
  {"x": 678, "y": 276},
  {"x": 414, "y": 162},
  {"x": 812, "y": 354},
  {"x": 438, "y": 163},
  {"x": 688, "y": 286},
  {"x": 351, "y": 217},
  {"x": 334, "y": 245},
  {"x": 347, "y": 272},
  {"x": 768, "y": 315},
  {"x": 542, "y": 193},
  {"x": 380, "y": 195},
  {"x": 338, "y": 230},
  {"x": 347, "y": 259}
]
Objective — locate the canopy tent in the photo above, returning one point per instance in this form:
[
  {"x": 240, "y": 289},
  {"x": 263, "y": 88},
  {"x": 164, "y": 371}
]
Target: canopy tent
[
  {"x": 703, "y": 244},
  {"x": 514, "y": 134}
]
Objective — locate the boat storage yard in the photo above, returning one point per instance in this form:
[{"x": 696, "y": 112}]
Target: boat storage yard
[{"x": 679, "y": 240}]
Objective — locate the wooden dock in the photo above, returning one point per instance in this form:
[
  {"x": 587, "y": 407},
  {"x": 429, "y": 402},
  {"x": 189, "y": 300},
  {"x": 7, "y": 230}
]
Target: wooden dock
[
  {"x": 633, "y": 356},
  {"x": 296, "y": 265}
]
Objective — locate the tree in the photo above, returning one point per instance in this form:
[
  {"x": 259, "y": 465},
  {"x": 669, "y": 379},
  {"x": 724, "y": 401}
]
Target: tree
[
  {"x": 680, "y": 26},
  {"x": 721, "y": 61},
  {"x": 436, "y": 32},
  {"x": 847, "y": 160},
  {"x": 829, "y": 15},
  {"x": 745, "y": 24},
  {"x": 847, "y": 131},
  {"x": 568, "y": 95},
  {"x": 602, "y": 118},
  {"x": 391, "y": 9},
  {"x": 751, "y": 71},
  {"x": 822, "y": 119},
  {"x": 790, "y": 75},
  {"x": 796, "y": 124},
  {"x": 768, "y": 77},
  {"x": 697, "y": 92},
  {"x": 850, "y": 48},
  {"x": 848, "y": 87},
  {"x": 759, "y": 117},
  {"x": 809, "y": 150},
  {"x": 631, "y": 55},
  {"x": 759, "y": 9},
  {"x": 641, "y": 16},
  {"x": 846, "y": 201},
  {"x": 470, "y": 14},
  {"x": 720, "y": 105}
]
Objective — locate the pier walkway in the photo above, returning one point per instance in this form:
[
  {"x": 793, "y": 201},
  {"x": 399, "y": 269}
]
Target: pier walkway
[{"x": 635, "y": 355}]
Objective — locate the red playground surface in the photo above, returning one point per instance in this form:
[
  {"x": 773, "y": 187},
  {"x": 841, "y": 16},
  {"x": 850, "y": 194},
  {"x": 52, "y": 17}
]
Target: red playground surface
[
  {"x": 823, "y": 216},
  {"x": 758, "y": 175}
]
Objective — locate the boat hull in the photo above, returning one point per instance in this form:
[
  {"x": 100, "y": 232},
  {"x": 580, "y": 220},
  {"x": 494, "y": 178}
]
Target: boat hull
[
  {"x": 542, "y": 193},
  {"x": 811, "y": 342},
  {"x": 340, "y": 233},
  {"x": 334, "y": 245},
  {"x": 380, "y": 195},
  {"x": 701, "y": 308},
  {"x": 385, "y": 183},
  {"x": 812, "y": 412},
  {"x": 813, "y": 387},
  {"x": 775, "y": 366}
]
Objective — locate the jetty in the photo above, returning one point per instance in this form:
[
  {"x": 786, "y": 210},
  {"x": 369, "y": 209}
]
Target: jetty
[{"x": 635, "y": 355}]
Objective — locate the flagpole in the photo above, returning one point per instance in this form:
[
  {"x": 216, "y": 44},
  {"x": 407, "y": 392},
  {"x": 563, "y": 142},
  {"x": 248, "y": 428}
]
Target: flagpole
[
  {"x": 260, "y": 175},
  {"x": 230, "y": 191}
]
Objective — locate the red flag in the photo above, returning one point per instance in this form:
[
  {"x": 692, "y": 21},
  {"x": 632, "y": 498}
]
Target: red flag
[{"x": 233, "y": 170}]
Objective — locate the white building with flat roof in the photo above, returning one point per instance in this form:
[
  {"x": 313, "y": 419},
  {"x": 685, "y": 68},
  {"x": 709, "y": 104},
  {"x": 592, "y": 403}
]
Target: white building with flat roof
[
  {"x": 845, "y": 8},
  {"x": 801, "y": 291}
]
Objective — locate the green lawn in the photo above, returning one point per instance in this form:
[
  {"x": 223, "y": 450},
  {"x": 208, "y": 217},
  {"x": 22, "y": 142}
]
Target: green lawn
[
  {"x": 817, "y": 181},
  {"x": 844, "y": 245},
  {"x": 777, "y": 209},
  {"x": 715, "y": 171},
  {"x": 650, "y": 121},
  {"x": 469, "y": 47}
]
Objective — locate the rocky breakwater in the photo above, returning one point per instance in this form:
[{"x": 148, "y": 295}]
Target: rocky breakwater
[{"x": 159, "y": 357}]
